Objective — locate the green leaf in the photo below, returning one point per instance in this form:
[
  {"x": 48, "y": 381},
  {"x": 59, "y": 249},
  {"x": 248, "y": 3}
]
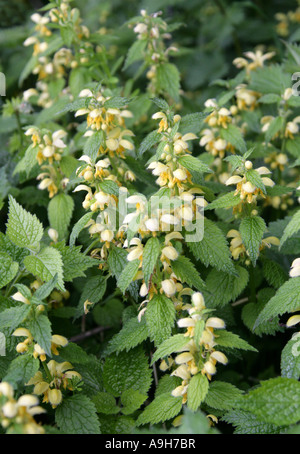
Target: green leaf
[
  {"x": 275, "y": 126},
  {"x": 270, "y": 98},
  {"x": 233, "y": 135},
  {"x": 93, "y": 291},
  {"x": 213, "y": 249},
  {"x": 221, "y": 395},
  {"x": 135, "y": 52},
  {"x": 44, "y": 291},
  {"x": 75, "y": 263},
  {"x": 132, "y": 400},
  {"x": 45, "y": 265},
  {"x": 8, "y": 269},
  {"x": 21, "y": 370},
  {"x": 221, "y": 287},
  {"x": 40, "y": 328},
  {"x": 127, "y": 275},
  {"x": 162, "y": 408},
  {"x": 150, "y": 255},
  {"x": 292, "y": 228},
  {"x": 193, "y": 164},
  {"x": 60, "y": 211},
  {"x": 231, "y": 340},
  {"x": 270, "y": 79},
  {"x": 195, "y": 423},
  {"x": 23, "y": 228},
  {"x": 132, "y": 334},
  {"x": 127, "y": 370},
  {"x": 13, "y": 317},
  {"x": 28, "y": 162},
  {"x": 77, "y": 415},
  {"x": 276, "y": 401},
  {"x": 290, "y": 358},
  {"x": 105, "y": 403},
  {"x": 115, "y": 102},
  {"x": 247, "y": 423},
  {"x": 252, "y": 229},
  {"x": 109, "y": 187},
  {"x": 79, "y": 226},
  {"x": 168, "y": 79},
  {"x": 274, "y": 273},
  {"x": 197, "y": 391},
  {"x": 254, "y": 177},
  {"x": 149, "y": 141},
  {"x": 225, "y": 201},
  {"x": 286, "y": 299},
  {"x": 251, "y": 311},
  {"x": 171, "y": 345},
  {"x": 92, "y": 145},
  {"x": 185, "y": 270},
  {"x": 160, "y": 317}
]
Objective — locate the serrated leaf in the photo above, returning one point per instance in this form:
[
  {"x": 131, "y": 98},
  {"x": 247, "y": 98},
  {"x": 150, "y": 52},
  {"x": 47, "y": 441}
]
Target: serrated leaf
[
  {"x": 149, "y": 141},
  {"x": 77, "y": 415},
  {"x": 213, "y": 249},
  {"x": 93, "y": 291},
  {"x": 150, "y": 255},
  {"x": 225, "y": 201},
  {"x": 135, "y": 52},
  {"x": 197, "y": 391},
  {"x": 127, "y": 275},
  {"x": 290, "y": 358},
  {"x": 79, "y": 226},
  {"x": 109, "y": 187},
  {"x": 23, "y": 228},
  {"x": 292, "y": 228},
  {"x": 231, "y": 340},
  {"x": 75, "y": 263},
  {"x": 221, "y": 395},
  {"x": 44, "y": 291},
  {"x": 127, "y": 370},
  {"x": 160, "y": 317},
  {"x": 60, "y": 211},
  {"x": 8, "y": 269},
  {"x": 92, "y": 145},
  {"x": 185, "y": 270},
  {"x": 193, "y": 164},
  {"x": 233, "y": 135},
  {"x": 40, "y": 328},
  {"x": 275, "y": 126},
  {"x": 247, "y": 423},
  {"x": 274, "y": 273},
  {"x": 168, "y": 79},
  {"x": 252, "y": 229},
  {"x": 254, "y": 177},
  {"x": 132, "y": 401},
  {"x": 162, "y": 408},
  {"x": 21, "y": 370},
  {"x": 132, "y": 334},
  {"x": 286, "y": 299},
  {"x": 171, "y": 345},
  {"x": 13, "y": 317},
  {"x": 105, "y": 403},
  {"x": 221, "y": 287},
  {"x": 45, "y": 265},
  {"x": 276, "y": 401},
  {"x": 115, "y": 102}
]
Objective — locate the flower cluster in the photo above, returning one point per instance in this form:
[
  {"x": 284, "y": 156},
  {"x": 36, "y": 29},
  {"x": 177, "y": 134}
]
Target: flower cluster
[
  {"x": 199, "y": 355},
  {"x": 59, "y": 377},
  {"x": 17, "y": 416},
  {"x": 49, "y": 149}
]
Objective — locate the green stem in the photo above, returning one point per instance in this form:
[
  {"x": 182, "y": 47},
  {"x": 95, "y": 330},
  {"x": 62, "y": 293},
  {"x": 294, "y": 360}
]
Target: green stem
[{"x": 47, "y": 371}]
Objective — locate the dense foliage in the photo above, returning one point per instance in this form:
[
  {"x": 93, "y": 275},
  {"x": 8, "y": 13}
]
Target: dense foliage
[{"x": 150, "y": 222}]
